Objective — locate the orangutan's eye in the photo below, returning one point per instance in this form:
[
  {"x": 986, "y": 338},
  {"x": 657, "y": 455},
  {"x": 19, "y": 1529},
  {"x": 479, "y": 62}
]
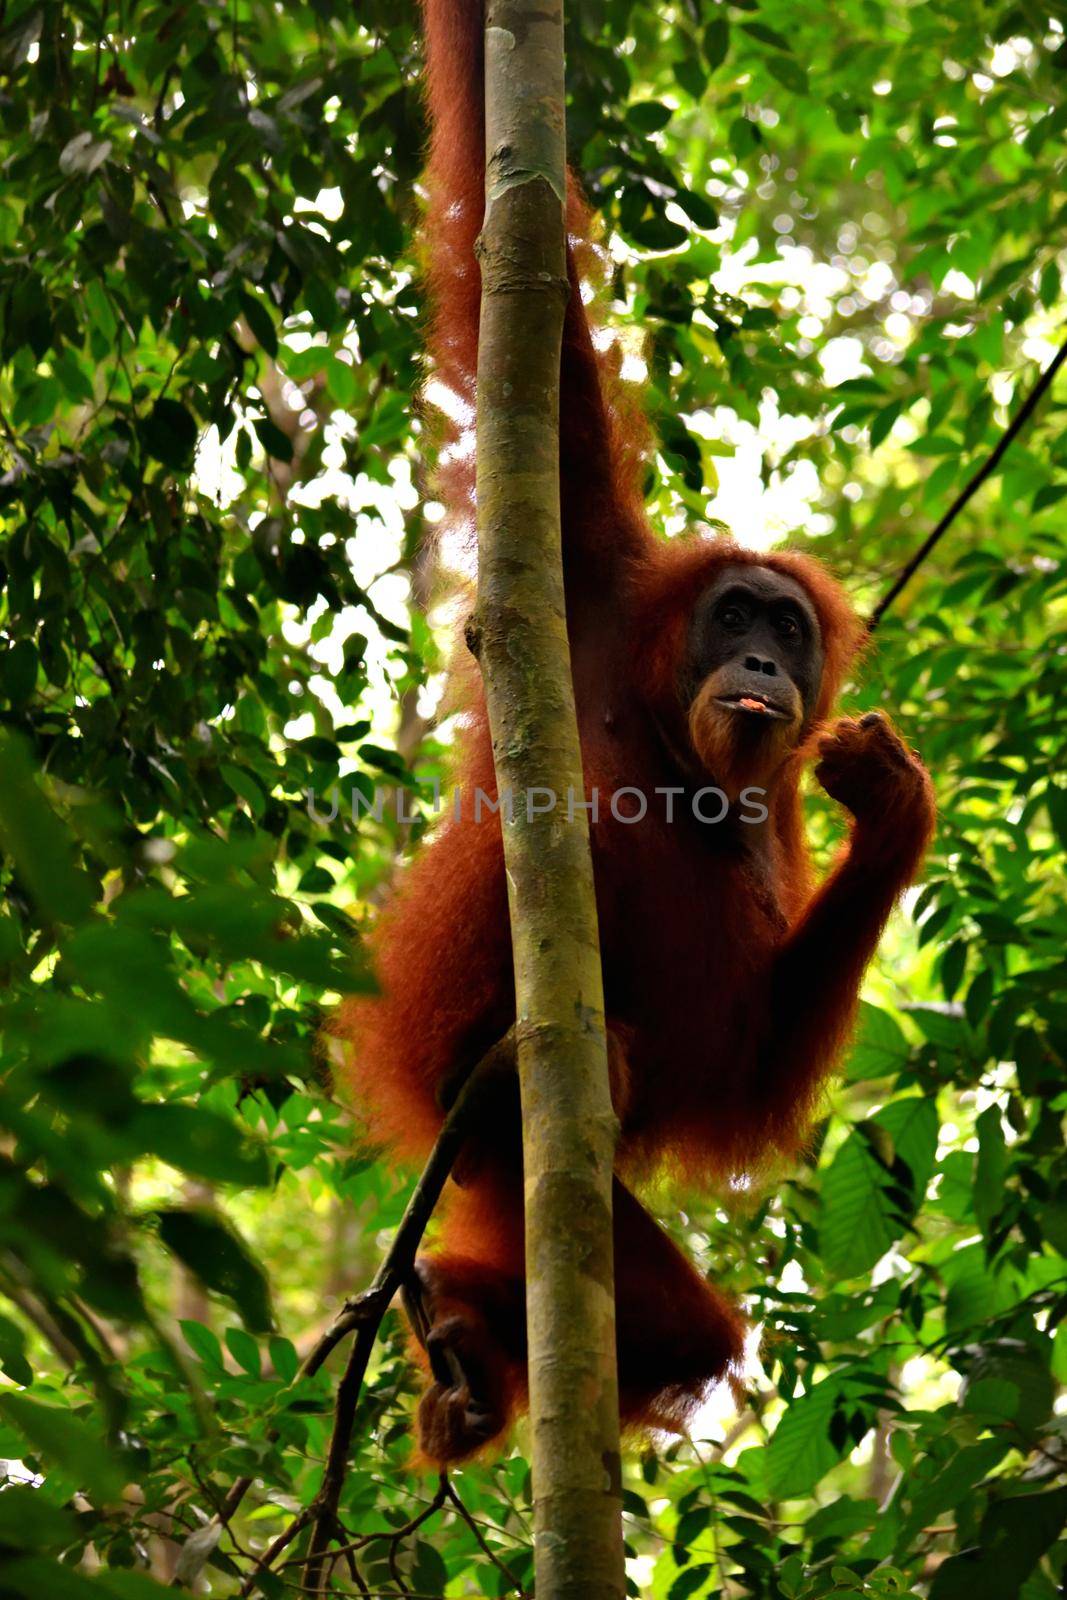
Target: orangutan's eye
[
  {"x": 732, "y": 617},
  {"x": 787, "y": 625}
]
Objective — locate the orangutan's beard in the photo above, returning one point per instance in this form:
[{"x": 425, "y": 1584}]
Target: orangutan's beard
[{"x": 739, "y": 749}]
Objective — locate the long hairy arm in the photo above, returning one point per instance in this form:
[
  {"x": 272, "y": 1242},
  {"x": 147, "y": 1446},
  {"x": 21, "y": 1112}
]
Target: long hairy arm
[
  {"x": 602, "y": 438},
  {"x": 819, "y": 969}
]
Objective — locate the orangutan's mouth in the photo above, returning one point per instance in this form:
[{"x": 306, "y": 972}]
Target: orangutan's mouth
[{"x": 754, "y": 705}]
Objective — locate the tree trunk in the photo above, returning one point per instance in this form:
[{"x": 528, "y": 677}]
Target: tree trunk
[{"x": 520, "y": 636}]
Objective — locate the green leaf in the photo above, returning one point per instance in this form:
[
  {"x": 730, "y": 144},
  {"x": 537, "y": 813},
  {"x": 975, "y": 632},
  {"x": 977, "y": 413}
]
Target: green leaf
[
  {"x": 880, "y": 1047},
  {"x": 648, "y": 116},
  {"x": 245, "y": 1350},
  {"x": 883, "y": 422},
  {"x": 940, "y": 1026},
  {"x": 244, "y": 786},
  {"x": 716, "y": 42},
  {"x": 691, "y": 1526},
  {"x": 656, "y": 232},
  {"x": 67, "y": 1443},
  {"x": 952, "y": 964},
  {"x": 201, "y": 1142},
  {"x": 1050, "y": 495},
  {"x": 874, "y": 1183},
  {"x": 261, "y": 323},
  {"x": 951, "y": 1485},
  {"x": 765, "y": 35},
  {"x": 284, "y": 1359},
  {"x": 744, "y": 136},
  {"x": 1009, "y": 1381},
  {"x": 33, "y": 1578},
  {"x": 697, "y": 209},
  {"x": 801, "y": 1451},
  {"x": 29, "y": 1521},
  {"x": 342, "y": 382},
  {"x": 244, "y": 926},
  {"x": 979, "y": 995},
  {"x": 975, "y": 1293},
  {"x": 203, "y": 1343},
  {"x": 274, "y": 441},
  {"x": 40, "y": 846},
  {"x": 169, "y": 434},
  {"x": 689, "y": 74},
  {"x": 13, "y": 1353},
  {"x": 1016, "y": 1531},
  {"x": 788, "y": 72},
  {"x": 856, "y": 1227},
  {"x": 688, "y": 1582},
  {"x": 215, "y": 1254},
  {"x": 429, "y": 1575},
  {"x": 18, "y": 671},
  {"x": 134, "y": 1586},
  {"x": 990, "y": 1168},
  {"x": 912, "y": 1123}
]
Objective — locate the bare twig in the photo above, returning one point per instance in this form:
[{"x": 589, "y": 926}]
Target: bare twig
[
  {"x": 66, "y": 1332},
  {"x": 64, "y": 1346},
  {"x": 236, "y": 1493},
  {"x": 277, "y": 1546},
  {"x": 355, "y": 1574},
  {"x": 362, "y": 1315},
  {"x": 365, "y": 1314},
  {"x": 395, "y": 1535},
  {"x": 986, "y": 470},
  {"x": 483, "y": 1545}
]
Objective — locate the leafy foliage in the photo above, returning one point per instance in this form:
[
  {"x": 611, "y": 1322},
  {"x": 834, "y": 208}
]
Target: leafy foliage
[{"x": 838, "y": 237}]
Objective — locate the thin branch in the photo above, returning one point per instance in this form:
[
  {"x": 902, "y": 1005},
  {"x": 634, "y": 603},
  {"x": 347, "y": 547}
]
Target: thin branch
[
  {"x": 276, "y": 1547},
  {"x": 483, "y": 1544},
  {"x": 34, "y": 1312},
  {"x": 66, "y": 1334},
  {"x": 986, "y": 470},
  {"x": 367, "y": 1310},
  {"x": 355, "y": 1574},
  {"x": 394, "y": 1535},
  {"x": 236, "y": 1493},
  {"x": 161, "y": 99},
  {"x": 362, "y": 1315},
  {"x": 193, "y": 1558},
  {"x": 372, "y": 1304}
]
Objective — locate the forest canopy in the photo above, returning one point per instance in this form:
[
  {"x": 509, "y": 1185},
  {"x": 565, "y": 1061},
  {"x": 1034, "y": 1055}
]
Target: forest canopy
[{"x": 837, "y": 234}]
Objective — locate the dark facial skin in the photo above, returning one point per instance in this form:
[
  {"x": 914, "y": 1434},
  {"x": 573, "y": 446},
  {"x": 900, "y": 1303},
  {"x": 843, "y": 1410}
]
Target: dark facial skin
[{"x": 755, "y": 633}]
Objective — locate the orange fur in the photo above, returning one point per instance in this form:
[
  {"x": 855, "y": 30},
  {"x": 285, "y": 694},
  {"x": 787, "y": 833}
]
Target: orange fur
[{"x": 729, "y": 986}]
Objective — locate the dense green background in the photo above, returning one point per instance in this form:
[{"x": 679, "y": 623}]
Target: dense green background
[{"x": 206, "y": 217}]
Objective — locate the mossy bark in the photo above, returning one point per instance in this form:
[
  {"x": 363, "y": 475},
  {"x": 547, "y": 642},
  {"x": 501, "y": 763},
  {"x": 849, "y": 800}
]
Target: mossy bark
[{"x": 520, "y": 636}]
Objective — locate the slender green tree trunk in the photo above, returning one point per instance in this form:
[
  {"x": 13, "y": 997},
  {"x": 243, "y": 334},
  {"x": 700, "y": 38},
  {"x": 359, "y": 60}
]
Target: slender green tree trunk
[{"x": 520, "y": 636}]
